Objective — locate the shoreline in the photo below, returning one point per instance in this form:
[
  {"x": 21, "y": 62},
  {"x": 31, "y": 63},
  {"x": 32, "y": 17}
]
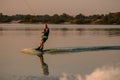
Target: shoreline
[{"x": 56, "y": 24}]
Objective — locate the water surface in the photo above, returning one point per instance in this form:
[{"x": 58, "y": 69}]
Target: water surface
[{"x": 17, "y": 66}]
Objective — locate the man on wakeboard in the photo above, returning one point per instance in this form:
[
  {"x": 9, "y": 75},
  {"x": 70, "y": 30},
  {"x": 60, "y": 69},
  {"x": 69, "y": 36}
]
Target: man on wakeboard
[{"x": 45, "y": 35}]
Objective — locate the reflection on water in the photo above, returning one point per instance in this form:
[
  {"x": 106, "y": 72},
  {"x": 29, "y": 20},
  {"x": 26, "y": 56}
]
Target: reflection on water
[
  {"x": 44, "y": 65},
  {"x": 1, "y": 31},
  {"x": 67, "y": 31},
  {"x": 106, "y": 31}
]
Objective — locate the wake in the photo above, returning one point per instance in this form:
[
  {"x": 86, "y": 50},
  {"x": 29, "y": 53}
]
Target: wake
[
  {"x": 68, "y": 50},
  {"x": 80, "y": 49}
]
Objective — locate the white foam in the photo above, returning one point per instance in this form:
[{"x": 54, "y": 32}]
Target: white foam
[
  {"x": 104, "y": 73},
  {"x": 30, "y": 51}
]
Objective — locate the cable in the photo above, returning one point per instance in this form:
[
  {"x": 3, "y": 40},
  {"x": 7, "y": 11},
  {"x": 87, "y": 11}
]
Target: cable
[{"x": 29, "y": 7}]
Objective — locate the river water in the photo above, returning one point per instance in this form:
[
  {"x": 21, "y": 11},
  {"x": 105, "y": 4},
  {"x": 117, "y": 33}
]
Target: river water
[{"x": 87, "y": 65}]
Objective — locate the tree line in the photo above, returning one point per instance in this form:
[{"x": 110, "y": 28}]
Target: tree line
[{"x": 111, "y": 18}]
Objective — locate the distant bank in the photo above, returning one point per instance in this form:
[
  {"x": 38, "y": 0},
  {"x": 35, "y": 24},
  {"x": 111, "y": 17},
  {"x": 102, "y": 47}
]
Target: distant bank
[{"x": 110, "y": 18}]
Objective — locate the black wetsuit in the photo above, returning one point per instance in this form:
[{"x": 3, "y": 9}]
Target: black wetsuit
[
  {"x": 45, "y": 34},
  {"x": 44, "y": 37}
]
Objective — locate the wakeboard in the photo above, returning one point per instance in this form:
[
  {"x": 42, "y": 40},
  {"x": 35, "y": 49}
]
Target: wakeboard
[{"x": 31, "y": 51}]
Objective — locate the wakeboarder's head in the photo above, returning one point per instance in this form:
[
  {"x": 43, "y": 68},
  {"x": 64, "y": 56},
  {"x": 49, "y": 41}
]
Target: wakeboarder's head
[{"x": 46, "y": 26}]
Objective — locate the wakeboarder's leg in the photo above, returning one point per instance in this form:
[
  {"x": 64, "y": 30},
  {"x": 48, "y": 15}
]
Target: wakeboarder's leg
[{"x": 40, "y": 47}]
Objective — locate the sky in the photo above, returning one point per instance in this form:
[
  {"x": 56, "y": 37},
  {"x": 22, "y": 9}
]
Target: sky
[{"x": 71, "y": 7}]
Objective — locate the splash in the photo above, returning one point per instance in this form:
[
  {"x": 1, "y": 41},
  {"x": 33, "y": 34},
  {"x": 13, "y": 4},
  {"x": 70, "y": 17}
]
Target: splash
[{"x": 104, "y": 73}]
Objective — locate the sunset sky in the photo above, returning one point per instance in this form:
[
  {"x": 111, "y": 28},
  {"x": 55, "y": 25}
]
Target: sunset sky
[{"x": 72, "y": 7}]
